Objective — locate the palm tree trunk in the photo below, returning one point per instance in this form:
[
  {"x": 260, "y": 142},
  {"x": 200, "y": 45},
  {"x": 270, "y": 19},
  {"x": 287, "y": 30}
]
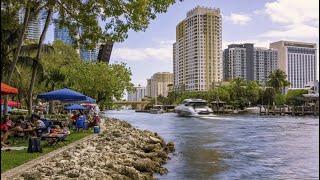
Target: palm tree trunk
[
  {"x": 21, "y": 38},
  {"x": 17, "y": 53},
  {"x": 35, "y": 63}
]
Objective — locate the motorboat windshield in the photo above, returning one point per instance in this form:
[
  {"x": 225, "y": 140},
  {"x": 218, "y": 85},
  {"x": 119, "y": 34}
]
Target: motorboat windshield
[{"x": 197, "y": 104}]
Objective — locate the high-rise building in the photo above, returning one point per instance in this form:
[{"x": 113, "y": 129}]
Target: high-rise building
[
  {"x": 197, "y": 59},
  {"x": 236, "y": 59},
  {"x": 138, "y": 93},
  {"x": 35, "y": 25},
  {"x": 148, "y": 90},
  {"x": 159, "y": 84},
  {"x": 248, "y": 62},
  {"x": 265, "y": 61},
  {"x": 62, "y": 34},
  {"x": 105, "y": 51},
  {"x": 298, "y": 60},
  {"x": 89, "y": 55}
]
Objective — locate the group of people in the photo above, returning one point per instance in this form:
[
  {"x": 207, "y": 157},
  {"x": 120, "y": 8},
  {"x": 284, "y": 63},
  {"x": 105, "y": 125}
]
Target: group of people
[
  {"x": 31, "y": 127},
  {"x": 22, "y": 127},
  {"x": 91, "y": 118}
]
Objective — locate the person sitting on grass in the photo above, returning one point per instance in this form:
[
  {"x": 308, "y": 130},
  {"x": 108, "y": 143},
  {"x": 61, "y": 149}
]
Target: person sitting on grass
[
  {"x": 5, "y": 126},
  {"x": 95, "y": 121},
  {"x": 36, "y": 121}
]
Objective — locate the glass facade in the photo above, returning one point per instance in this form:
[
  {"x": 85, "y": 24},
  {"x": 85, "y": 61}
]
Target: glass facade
[{"x": 62, "y": 34}]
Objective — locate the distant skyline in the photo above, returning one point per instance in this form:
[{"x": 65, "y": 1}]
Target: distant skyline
[{"x": 259, "y": 22}]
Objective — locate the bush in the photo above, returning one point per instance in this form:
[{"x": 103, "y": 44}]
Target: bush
[
  {"x": 279, "y": 99},
  {"x": 294, "y": 97}
]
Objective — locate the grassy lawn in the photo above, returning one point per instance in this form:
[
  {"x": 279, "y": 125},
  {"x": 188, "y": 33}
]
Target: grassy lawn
[{"x": 11, "y": 159}]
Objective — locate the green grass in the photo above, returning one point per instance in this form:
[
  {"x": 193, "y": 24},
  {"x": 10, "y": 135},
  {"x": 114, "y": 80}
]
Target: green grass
[{"x": 11, "y": 159}]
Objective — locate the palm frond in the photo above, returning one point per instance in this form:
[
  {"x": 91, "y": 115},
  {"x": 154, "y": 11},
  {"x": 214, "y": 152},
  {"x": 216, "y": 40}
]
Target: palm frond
[{"x": 32, "y": 49}]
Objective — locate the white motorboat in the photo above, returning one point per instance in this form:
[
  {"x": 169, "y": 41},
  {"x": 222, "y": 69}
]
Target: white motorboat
[{"x": 193, "y": 107}]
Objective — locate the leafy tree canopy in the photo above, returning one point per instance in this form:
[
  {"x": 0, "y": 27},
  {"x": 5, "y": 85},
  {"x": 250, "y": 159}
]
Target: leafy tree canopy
[{"x": 95, "y": 79}]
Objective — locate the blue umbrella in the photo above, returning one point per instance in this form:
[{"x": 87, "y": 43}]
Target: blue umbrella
[
  {"x": 75, "y": 107},
  {"x": 63, "y": 95},
  {"x": 90, "y": 100}
]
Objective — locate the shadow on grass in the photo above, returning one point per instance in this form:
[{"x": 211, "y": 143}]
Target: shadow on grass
[{"x": 11, "y": 159}]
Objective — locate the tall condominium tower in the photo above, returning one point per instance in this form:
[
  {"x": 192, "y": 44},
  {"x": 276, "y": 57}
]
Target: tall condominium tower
[
  {"x": 197, "y": 59},
  {"x": 237, "y": 61},
  {"x": 249, "y": 62},
  {"x": 34, "y": 26},
  {"x": 62, "y": 34},
  {"x": 298, "y": 60},
  {"x": 105, "y": 51},
  {"x": 148, "y": 89},
  {"x": 89, "y": 55},
  {"x": 158, "y": 84},
  {"x": 265, "y": 61}
]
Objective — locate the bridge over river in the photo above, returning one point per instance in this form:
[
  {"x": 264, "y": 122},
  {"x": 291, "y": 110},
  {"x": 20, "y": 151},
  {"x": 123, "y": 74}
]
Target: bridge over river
[{"x": 137, "y": 105}]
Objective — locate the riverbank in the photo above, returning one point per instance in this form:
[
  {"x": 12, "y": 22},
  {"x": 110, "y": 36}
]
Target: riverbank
[{"x": 120, "y": 152}]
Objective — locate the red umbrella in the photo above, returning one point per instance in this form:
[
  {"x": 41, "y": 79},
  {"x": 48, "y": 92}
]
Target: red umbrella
[
  {"x": 12, "y": 103},
  {"x": 6, "y": 89}
]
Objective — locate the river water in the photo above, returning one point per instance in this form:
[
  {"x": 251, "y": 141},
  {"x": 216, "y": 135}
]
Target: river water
[{"x": 235, "y": 147}]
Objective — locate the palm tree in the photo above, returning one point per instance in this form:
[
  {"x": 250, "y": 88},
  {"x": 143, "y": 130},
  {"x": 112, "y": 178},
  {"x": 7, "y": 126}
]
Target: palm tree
[
  {"x": 54, "y": 78},
  {"x": 35, "y": 63},
  {"x": 278, "y": 80}
]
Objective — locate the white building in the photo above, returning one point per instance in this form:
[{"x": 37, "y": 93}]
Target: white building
[
  {"x": 35, "y": 25},
  {"x": 138, "y": 93},
  {"x": 197, "y": 59},
  {"x": 298, "y": 60}
]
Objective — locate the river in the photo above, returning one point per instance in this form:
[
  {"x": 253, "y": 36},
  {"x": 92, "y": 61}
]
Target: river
[{"x": 235, "y": 147}]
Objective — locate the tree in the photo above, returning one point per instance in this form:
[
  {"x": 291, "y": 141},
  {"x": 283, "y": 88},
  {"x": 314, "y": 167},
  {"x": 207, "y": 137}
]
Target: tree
[
  {"x": 279, "y": 99},
  {"x": 294, "y": 97},
  {"x": 82, "y": 18},
  {"x": 277, "y": 80},
  {"x": 252, "y": 91},
  {"x": 62, "y": 55},
  {"x": 99, "y": 80},
  {"x": 268, "y": 96}
]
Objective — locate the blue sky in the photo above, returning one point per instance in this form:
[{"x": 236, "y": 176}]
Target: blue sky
[{"x": 255, "y": 21}]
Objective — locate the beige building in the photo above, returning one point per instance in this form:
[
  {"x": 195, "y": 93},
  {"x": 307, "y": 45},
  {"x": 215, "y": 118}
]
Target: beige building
[
  {"x": 298, "y": 60},
  {"x": 158, "y": 84},
  {"x": 197, "y": 52}
]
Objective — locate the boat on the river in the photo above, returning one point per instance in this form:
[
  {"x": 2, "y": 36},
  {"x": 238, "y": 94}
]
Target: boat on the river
[
  {"x": 156, "y": 109},
  {"x": 193, "y": 107},
  {"x": 253, "y": 110}
]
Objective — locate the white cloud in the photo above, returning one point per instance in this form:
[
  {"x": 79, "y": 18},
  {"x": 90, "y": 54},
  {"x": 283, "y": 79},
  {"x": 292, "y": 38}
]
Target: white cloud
[
  {"x": 163, "y": 52},
  {"x": 296, "y": 19},
  {"x": 293, "y": 32},
  {"x": 239, "y": 19},
  {"x": 293, "y": 11}
]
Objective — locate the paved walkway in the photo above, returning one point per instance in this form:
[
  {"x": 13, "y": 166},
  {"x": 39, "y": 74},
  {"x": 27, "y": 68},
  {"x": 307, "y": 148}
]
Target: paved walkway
[{"x": 17, "y": 171}]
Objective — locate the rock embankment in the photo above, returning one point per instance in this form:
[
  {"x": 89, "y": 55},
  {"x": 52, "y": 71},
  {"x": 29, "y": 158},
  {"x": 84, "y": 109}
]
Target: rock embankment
[{"x": 120, "y": 152}]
